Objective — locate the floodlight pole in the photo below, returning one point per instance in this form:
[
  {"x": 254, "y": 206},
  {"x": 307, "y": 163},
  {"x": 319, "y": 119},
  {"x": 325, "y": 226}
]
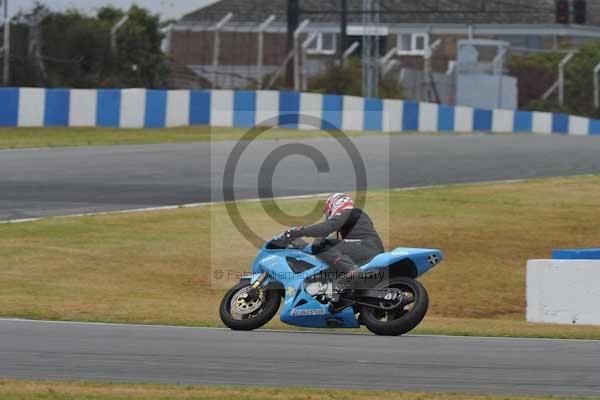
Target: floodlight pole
[
  {"x": 596, "y": 87},
  {"x": 217, "y": 44},
  {"x": 297, "y": 55},
  {"x": 343, "y": 29},
  {"x": 261, "y": 45}
]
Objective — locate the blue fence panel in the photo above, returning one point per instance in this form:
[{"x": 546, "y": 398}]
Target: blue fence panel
[
  {"x": 373, "y": 120},
  {"x": 200, "y": 107},
  {"x": 289, "y": 109},
  {"x": 560, "y": 123},
  {"x": 482, "y": 120},
  {"x": 332, "y": 111},
  {"x": 410, "y": 116},
  {"x": 576, "y": 254},
  {"x": 9, "y": 107},
  {"x": 594, "y": 127},
  {"x": 156, "y": 109},
  {"x": 523, "y": 121},
  {"x": 56, "y": 112},
  {"x": 445, "y": 118},
  {"x": 108, "y": 108},
  {"x": 244, "y": 109}
]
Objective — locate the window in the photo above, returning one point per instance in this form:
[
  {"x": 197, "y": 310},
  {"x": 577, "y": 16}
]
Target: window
[
  {"x": 327, "y": 42},
  {"x": 313, "y": 46},
  {"x": 412, "y": 43},
  {"x": 324, "y": 43},
  {"x": 524, "y": 41}
]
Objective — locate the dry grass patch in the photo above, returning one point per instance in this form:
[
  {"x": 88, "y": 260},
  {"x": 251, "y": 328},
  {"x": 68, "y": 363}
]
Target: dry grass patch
[
  {"x": 501, "y": 327},
  {"x": 18, "y": 138},
  {"x": 158, "y": 267},
  {"x": 20, "y": 390},
  {"x": 15, "y": 138}
]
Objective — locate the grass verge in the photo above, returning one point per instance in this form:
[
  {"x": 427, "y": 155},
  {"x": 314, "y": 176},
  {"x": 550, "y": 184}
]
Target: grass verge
[
  {"x": 20, "y": 138},
  {"x": 158, "y": 267},
  {"x": 19, "y": 390},
  {"x": 15, "y": 138}
]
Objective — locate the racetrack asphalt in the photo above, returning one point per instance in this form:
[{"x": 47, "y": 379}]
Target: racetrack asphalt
[
  {"x": 64, "y": 181},
  {"x": 120, "y": 353}
]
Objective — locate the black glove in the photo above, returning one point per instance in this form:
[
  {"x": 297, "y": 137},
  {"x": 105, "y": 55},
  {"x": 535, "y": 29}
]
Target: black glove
[
  {"x": 320, "y": 242},
  {"x": 293, "y": 233},
  {"x": 320, "y": 245}
]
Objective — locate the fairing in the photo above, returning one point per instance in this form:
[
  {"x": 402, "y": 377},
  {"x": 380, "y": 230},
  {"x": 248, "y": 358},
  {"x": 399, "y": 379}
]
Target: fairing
[{"x": 301, "y": 309}]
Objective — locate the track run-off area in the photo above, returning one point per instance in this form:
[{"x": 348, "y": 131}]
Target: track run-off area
[
  {"x": 129, "y": 353},
  {"x": 66, "y": 181}
]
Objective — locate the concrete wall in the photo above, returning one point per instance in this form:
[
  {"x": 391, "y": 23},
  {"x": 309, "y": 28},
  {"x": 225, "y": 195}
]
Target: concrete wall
[
  {"x": 487, "y": 91},
  {"x": 563, "y": 291}
]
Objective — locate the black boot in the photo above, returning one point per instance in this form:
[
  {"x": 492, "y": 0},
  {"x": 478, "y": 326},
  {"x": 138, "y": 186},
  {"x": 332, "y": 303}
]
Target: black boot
[
  {"x": 348, "y": 273},
  {"x": 343, "y": 284}
]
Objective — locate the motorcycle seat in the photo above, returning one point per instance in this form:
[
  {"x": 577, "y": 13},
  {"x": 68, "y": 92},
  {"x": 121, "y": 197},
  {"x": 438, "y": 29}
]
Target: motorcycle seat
[{"x": 380, "y": 260}]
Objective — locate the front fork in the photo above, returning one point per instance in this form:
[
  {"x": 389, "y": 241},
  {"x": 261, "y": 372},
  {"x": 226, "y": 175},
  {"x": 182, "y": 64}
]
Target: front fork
[{"x": 258, "y": 280}]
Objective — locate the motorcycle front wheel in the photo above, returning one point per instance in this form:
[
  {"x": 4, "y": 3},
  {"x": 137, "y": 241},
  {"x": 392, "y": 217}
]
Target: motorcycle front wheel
[
  {"x": 398, "y": 319},
  {"x": 242, "y": 310}
]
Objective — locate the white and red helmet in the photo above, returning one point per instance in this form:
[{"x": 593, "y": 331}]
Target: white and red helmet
[{"x": 336, "y": 203}]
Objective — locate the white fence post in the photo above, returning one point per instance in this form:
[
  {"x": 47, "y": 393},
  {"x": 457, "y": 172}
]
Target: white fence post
[
  {"x": 113, "y": 33},
  {"x": 349, "y": 51},
  {"x": 596, "y": 88},
  {"x": 307, "y": 42},
  {"x": 560, "y": 83},
  {"x": 217, "y": 44},
  {"x": 297, "y": 54},
  {"x": 261, "y": 44}
]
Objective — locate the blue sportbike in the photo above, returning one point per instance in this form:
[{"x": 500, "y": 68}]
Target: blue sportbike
[{"x": 385, "y": 296}]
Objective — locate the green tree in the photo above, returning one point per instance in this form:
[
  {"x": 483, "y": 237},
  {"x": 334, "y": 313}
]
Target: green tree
[
  {"x": 537, "y": 72},
  {"x": 140, "y": 59},
  {"x": 75, "y": 49},
  {"x": 347, "y": 79}
]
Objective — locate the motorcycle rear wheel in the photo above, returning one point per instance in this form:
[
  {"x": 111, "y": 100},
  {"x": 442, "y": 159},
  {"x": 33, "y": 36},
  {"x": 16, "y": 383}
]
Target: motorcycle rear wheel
[
  {"x": 240, "y": 314},
  {"x": 396, "y": 322}
]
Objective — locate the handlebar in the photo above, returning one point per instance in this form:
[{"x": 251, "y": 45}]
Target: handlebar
[{"x": 283, "y": 242}]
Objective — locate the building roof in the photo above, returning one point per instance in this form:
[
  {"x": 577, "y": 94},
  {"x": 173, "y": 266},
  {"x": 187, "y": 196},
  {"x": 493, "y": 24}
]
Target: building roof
[{"x": 392, "y": 11}]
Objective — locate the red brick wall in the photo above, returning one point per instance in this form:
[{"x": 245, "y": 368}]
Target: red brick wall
[{"x": 237, "y": 48}]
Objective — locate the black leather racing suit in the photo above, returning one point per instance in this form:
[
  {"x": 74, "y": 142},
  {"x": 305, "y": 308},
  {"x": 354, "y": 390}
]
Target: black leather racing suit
[{"x": 360, "y": 242}]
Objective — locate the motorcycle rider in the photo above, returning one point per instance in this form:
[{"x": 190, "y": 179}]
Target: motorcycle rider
[{"x": 359, "y": 241}]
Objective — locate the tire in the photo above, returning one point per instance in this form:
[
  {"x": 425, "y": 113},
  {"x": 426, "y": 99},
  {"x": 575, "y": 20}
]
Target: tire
[
  {"x": 401, "y": 324},
  {"x": 262, "y": 315}
]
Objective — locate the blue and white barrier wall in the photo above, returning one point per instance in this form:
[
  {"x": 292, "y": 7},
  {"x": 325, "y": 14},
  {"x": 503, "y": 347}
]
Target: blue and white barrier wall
[
  {"x": 576, "y": 254},
  {"x": 142, "y": 108}
]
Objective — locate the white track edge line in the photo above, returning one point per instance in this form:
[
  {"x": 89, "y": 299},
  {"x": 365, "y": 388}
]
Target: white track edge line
[
  {"x": 304, "y": 196},
  {"x": 323, "y": 331}
]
